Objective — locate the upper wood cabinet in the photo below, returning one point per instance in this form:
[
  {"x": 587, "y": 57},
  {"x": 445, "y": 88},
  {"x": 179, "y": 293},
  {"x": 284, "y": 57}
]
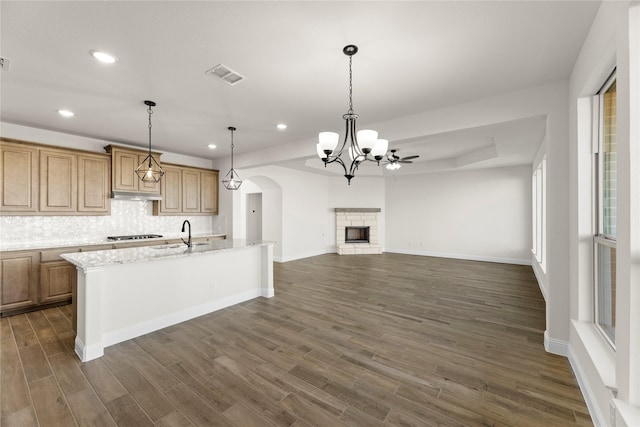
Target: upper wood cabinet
[
  {"x": 58, "y": 181},
  {"x": 93, "y": 183},
  {"x": 43, "y": 180},
  {"x": 124, "y": 162},
  {"x": 209, "y": 192},
  {"x": 187, "y": 190},
  {"x": 190, "y": 191},
  {"x": 171, "y": 190},
  {"x": 18, "y": 178}
]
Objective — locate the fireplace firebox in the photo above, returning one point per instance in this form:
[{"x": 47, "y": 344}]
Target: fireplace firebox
[{"x": 356, "y": 234}]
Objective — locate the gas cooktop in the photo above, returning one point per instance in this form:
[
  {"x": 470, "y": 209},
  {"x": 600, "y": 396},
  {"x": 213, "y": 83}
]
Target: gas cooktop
[{"x": 134, "y": 237}]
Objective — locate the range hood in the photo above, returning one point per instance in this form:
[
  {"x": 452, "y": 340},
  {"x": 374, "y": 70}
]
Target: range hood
[{"x": 130, "y": 195}]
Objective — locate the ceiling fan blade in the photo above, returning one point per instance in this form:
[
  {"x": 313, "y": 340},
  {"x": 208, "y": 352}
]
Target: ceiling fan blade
[
  {"x": 405, "y": 161},
  {"x": 410, "y": 157}
]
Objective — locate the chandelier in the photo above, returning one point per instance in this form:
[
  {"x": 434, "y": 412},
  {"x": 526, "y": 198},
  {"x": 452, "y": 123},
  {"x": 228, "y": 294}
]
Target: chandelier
[
  {"x": 231, "y": 180},
  {"x": 363, "y": 145},
  {"x": 149, "y": 170}
]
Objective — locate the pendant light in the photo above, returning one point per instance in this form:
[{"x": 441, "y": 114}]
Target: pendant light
[
  {"x": 149, "y": 170},
  {"x": 231, "y": 180},
  {"x": 363, "y": 146}
]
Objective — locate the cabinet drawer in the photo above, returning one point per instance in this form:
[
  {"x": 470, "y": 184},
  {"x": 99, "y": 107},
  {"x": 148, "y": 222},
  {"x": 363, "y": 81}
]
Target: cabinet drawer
[{"x": 54, "y": 254}]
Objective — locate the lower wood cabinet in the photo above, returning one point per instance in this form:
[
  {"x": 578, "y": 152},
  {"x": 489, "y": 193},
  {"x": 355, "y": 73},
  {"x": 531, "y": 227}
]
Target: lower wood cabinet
[
  {"x": 19, "y": 275},
  {"x": 56, "y": 281}
]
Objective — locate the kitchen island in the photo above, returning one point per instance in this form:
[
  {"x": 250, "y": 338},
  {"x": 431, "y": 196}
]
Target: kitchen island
[{"x": 125, "y": 293}]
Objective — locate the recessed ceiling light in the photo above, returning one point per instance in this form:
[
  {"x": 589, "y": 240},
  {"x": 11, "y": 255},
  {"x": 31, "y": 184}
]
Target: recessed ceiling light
[
  {"x": 212, "y": 146},
  {"x": 105, "y": 57},
  {"x": 281, "y": 126},
  {"x": 66, "y": 113}
]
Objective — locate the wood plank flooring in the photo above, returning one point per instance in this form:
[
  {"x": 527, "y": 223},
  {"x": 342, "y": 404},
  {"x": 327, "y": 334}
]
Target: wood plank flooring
[{"x": 367, "y": 340}]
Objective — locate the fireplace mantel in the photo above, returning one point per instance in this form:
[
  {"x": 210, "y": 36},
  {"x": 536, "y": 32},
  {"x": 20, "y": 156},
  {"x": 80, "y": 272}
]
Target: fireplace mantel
[
  {"x": 357, "y": 217},
  {"x": 358, "y": 210}
]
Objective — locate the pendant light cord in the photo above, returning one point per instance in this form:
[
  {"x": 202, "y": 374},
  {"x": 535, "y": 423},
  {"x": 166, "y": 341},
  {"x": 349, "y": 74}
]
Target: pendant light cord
[
  {"x": 150, "y": 111},
  {"x": 231, "y": 150}
]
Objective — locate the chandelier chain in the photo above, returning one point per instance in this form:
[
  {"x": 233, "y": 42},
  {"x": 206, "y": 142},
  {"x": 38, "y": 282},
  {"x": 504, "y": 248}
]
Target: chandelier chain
[{"x": 350, "y": 86}]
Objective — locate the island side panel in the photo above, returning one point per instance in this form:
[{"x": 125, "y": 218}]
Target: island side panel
[
  {"x": 88, "y": 342},
  {"x": 138, "y": 298},
  {"x": 267, "y": 271}
]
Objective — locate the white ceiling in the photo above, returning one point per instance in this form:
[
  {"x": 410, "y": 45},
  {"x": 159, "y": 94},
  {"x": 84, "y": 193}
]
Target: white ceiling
[{"x": 414, "y": 57}]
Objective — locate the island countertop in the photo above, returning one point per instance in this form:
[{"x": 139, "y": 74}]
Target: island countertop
[
  {"x": 74, "y": 241},
  {"x": 87, "y": 260}
]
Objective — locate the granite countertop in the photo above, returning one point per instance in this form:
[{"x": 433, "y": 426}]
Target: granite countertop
[
  {"x": 50, "y": 244},
  {"x": 86, "y": 260}
]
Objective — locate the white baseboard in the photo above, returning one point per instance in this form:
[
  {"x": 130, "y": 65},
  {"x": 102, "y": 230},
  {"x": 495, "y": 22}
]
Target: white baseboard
[
  {"x": 88, "y": 352},
  {"x": 589, "y": 398},
  {"x": 541, "y": 283},
  {"x": 461, "y": 256},
  {"x": 555, "y": 346}
]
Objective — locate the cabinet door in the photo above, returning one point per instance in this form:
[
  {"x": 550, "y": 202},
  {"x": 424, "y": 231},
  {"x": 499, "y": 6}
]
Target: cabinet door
[
  {"x": 56, "y": 281},
  {"x": 144, "y": 186},
  {"x": 58, "y": 182},
  {"x": 209, "y": 192},
  {"x": 19, "y": 280},
  {"x": 93, "y": 184},
  {"x": 124, "y": 166},
  {"x": 190, "y": 191},
  {"x": 18, "y": 179},
  {"x": 171, "y": 190}
]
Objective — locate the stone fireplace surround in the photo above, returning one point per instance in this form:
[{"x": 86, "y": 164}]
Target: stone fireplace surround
[{"x": 357, "y": 217}]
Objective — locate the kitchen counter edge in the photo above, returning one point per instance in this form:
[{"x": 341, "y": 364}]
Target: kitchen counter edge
[
  {"x": 28, "y": 246},
  {"x": 94, "y": 259}
]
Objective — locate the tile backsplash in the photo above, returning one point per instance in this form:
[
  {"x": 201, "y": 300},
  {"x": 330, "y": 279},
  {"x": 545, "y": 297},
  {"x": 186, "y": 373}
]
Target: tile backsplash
[{"x": 127, "y": 217}]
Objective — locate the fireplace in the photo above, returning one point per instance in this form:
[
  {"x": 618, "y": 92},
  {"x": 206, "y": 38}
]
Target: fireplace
[
  {"x": 356, "y": 234},
  {"x": 357, "y": 231}
]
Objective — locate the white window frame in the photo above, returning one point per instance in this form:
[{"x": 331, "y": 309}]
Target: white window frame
[
  {"x": 538, "y": 213},
  {"x": 599, "y": 237}
]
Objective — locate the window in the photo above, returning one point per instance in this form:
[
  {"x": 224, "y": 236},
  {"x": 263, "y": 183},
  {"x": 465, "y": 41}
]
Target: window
[
  {"x": 605, "y": 198},
  {"x": 538, "y": 201}
]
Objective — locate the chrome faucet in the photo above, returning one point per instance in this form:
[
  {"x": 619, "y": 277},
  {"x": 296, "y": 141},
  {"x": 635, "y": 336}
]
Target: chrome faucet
[{"x": 188, "y": 242}]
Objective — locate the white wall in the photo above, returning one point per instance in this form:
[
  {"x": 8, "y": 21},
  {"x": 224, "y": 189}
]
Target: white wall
[
  {"x": 306, "y": 230},
  {"x": 613, "y": 41},
  {"x": 479, "y": 214}
]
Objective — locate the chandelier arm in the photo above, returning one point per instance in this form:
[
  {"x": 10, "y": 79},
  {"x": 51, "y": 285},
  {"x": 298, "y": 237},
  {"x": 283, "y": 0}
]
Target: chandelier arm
[
  {"x": 337, "y": 159},
  {"x": 357, "y": 151}
]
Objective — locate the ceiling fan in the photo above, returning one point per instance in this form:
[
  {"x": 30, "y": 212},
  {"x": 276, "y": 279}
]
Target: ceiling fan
[{"x": 394, "y": 161}]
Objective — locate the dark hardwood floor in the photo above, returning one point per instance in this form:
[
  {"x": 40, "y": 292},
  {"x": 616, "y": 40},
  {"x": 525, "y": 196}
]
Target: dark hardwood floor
[{"x": 363, "y": 340}]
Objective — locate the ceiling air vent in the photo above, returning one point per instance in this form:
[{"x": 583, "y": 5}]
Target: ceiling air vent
[
  {"x": 4, "y": 63},
  {"x": 226, "y": 74}
]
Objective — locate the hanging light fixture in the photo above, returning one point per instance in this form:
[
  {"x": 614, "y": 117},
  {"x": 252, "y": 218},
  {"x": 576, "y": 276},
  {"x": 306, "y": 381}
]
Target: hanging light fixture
[
  {"x": 363, "y": 146},
  {"x": 231, "y": 180},
  {"x": 149, "y": 170}
]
